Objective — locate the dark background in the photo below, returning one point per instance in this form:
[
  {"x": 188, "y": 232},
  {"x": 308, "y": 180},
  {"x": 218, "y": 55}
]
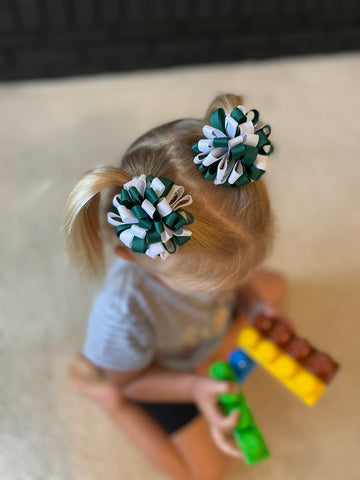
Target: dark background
[{"x": 51, "y": 38}]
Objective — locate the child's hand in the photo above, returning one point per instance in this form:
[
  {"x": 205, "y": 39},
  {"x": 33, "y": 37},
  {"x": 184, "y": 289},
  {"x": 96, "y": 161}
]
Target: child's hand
[{"x": 206, "y": 392}]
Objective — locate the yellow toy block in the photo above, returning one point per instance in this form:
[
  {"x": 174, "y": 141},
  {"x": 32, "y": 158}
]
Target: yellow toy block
[{"x": 291, "y": 373}]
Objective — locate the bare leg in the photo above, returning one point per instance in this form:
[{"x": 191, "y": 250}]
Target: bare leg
[
  {"x": 140, "y": 428},
  {"x": 188, "y": 454}
]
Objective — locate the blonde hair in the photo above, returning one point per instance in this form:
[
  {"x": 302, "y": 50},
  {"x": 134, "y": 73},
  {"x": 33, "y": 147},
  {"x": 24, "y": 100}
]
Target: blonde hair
[{"x": 233, "y": 227}]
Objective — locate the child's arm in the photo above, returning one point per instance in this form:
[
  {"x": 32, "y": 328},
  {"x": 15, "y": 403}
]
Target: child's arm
[{"x": 159, "y": 384}]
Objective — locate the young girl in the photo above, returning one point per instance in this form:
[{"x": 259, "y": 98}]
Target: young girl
[{"x": 175, "y": 299}]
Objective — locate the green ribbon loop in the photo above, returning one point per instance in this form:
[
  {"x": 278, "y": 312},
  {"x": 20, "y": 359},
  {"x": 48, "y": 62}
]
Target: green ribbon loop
[
  {"x": 153, "y": 236},
  {"x": 195, "y": 148},
  {"x": 238, "y": 115},
  {"x": 255, "y": 173},
  {"x": 181, "y": 240},
  {"x": 175, "y": 221},
  {"x": 256, "y": 116},
  {"x": 172, "y": 249},
  {"x": 250, "y": 155},
  {"x": 243, "y": 180},
  {"x": 125, "y": 199},
  {"x": 135, "y": 195},
  {"x": 189, "y": 217},
  {"x": 238, "y": 151},
  {"x": 159, "y": 226},
  {"x": 217, "y": 119},
  {"x": 142, "y": 216},
  {"x": 168, "y": 185},
  {"x": 139, "y": 213},
  {"x": 209, "y": 175},
  {"x": 221, "y": 142},
  {"x": 139, "y": 245},
  {"x": 151, "y": 196},
  {"x": 262, "y": 151}
]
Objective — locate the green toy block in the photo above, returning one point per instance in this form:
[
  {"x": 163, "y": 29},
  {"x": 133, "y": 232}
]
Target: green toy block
[
  {"x": 222, "y": 371},
  {"x": 246, "y": 433}
]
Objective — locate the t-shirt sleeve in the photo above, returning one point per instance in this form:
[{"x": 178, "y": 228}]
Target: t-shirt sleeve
[{"x": 118, "y": 338}]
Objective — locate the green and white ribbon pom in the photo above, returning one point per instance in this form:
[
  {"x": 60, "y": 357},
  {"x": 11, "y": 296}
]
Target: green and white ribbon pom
[
  {"x": 148, "y": 216},
  {"x": 234, "y": 150}
]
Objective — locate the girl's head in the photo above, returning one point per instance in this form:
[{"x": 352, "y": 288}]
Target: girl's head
[{"x": 232, "y": 230}]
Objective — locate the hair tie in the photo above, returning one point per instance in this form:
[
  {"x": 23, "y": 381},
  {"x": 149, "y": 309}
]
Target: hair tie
[
  {"x": 234, "y": 150},
  {"x": 148, "y": 216}
]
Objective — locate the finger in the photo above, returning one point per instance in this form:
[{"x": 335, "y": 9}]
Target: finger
[
  {"x": 224, "y": 445},
  {"x": 219, "y": 387},
  {"x": 229, "y": 422},
  {"x": 220, "y": 420}
]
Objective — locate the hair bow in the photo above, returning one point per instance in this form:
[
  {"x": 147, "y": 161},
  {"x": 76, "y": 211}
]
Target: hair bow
[
  {"x": 148, "y": 216},
  {"x": 235, "y": 149}
]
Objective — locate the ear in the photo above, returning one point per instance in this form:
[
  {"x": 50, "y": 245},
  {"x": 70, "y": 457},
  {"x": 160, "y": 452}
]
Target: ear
[{"x": 124, "y": 252}]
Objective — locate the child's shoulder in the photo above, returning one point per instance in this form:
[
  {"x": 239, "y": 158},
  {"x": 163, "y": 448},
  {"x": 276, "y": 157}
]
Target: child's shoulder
[
  {"x": 120, "y": 284},
  {"x": 126, "y": 288}
]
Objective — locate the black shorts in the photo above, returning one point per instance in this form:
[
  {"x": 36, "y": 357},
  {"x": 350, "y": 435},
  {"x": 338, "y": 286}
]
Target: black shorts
[{"x": 171, "y": 416}]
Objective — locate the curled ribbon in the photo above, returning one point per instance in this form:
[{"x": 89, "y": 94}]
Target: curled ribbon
[
  {"x": 234, "y": 151},
  {"x": 148, "y": 216}
]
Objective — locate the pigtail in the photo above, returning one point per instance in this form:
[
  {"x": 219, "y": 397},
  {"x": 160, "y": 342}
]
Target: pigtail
[
  {"x": 226, "y": 101},
  {"x": 81, "y": 227}
]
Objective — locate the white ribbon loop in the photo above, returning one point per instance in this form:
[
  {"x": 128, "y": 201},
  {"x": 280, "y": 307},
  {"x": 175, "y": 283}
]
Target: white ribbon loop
[
  {"x": 261, "y": 162},
  {"x": 236, "y": 173},
  {"x": 138, "y": 182},
  {"x": 126, "y": 237},
  {"x": 205, "y": 145},
  {"x": 155, "y": 249},
  {"x": 114, "y": 219},
  {"x": 148, "y": 207},
  {"x": 138, "y": 231},
  {"x": 157, "y": 186},
  {"x": 214, "y": 156},
  {"x": 183, "y": 232},
  {"x": 236, "y": 141},
  {"x": 246, "y": 127},
  {"x": 175, "y": 193},
  {"x": 211, "y": 132},
  {"x": 231, "y": 126},
  {"x": 163, "y": 207},
  {"x": 199, "y": 158},
  {"x": 126, "y": 215},
  {"x": 251, "y": 139},
  {"x": 224, "y": 168},
  {"x": 177, "y": 199}
]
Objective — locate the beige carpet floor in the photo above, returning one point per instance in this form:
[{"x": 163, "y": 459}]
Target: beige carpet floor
[{"x": 51, "y": 132}]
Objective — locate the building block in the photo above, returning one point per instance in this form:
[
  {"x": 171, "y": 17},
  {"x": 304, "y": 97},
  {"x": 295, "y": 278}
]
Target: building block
[
  {"x": 241, "y": 364},
  {"x": 285, "y": 368},
  {"x": 246, "y": 433},
  {"x": 282, "y": 335},
  {"x": 319, "y": 363}
]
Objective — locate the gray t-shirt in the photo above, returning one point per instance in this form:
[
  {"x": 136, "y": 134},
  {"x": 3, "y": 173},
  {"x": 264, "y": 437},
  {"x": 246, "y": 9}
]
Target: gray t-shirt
[{"x": 136, "y": 320}]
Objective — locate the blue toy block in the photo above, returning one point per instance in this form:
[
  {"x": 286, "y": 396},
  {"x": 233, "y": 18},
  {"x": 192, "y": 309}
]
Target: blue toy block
[{"x": 241, "y": 364}]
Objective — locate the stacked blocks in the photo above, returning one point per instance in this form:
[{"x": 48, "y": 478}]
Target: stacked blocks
[
  {"x": 292, "y": 360},
  {"x": 246, "y": 433}
]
